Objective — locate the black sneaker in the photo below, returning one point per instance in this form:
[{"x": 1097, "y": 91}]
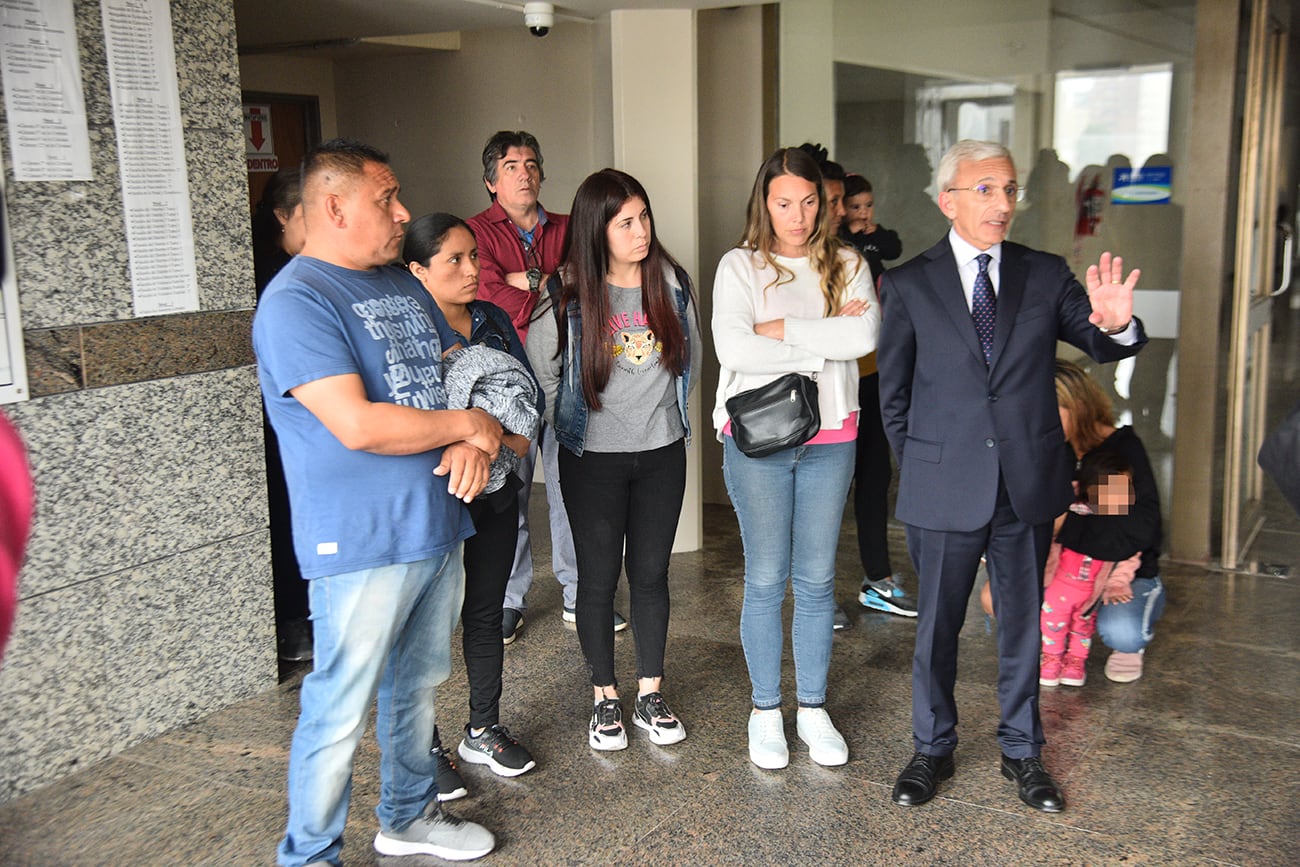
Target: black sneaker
[
  {"x": 606, "y": 731},
  {"x": 512, "y": 620},
  {"x": 652, "y": 714},
  {"x": 293, "y": 640},
  {"x": 450, "y": 784},
  {"x": 498, "y": 750},
  {"x": 570, "y": 615}
]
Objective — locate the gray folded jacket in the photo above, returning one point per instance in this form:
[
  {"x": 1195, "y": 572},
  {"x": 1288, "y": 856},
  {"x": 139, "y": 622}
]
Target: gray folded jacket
[{"x": 497, "y": 383}]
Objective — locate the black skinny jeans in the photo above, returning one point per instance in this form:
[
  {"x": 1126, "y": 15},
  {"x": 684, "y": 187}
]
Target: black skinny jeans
[
  {"x": 871, "y": 482},
  {"x": 615, "y": 498},
  {"x": 489, "y": 556}
]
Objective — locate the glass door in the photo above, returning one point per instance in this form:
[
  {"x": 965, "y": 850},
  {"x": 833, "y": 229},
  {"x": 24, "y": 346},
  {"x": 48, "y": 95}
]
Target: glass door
[{"x": 1256, "y": 250}]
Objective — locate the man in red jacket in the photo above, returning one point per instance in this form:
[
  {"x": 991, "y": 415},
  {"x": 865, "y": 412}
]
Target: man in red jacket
[{"x": 519, "y": 242}]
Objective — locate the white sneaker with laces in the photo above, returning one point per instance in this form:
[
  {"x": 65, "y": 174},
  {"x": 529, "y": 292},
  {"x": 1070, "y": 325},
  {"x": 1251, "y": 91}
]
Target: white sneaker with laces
[
  {"x": 440, "y": 834},
  {"x": 826, "y": 745},
  {"x": 767, "y": 747}
]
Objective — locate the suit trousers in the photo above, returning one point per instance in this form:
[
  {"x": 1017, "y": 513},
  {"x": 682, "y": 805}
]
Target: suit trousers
[{"x": 946, "y": 562}]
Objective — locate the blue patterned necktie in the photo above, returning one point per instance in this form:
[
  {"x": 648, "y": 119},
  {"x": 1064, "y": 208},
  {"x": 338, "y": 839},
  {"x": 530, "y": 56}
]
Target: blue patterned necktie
[{"x": 984, "y": 306}]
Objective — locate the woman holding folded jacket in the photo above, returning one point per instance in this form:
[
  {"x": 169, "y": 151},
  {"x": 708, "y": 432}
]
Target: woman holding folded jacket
[
  {"x": 441, "y": 252},
  {"x": 790, "y": 299}
]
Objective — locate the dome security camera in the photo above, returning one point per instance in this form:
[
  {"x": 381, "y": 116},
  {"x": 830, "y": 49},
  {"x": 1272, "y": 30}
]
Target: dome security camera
[{"x": 539, "y": 18}]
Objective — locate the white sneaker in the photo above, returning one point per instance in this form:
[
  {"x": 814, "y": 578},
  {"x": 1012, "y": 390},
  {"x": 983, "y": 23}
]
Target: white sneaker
[
  {"x": 825, "y": 744},
  {"x": 440, "y": 834},
  {"x": 1124, "y": 667},
  {"x": 767, "y": 747}
]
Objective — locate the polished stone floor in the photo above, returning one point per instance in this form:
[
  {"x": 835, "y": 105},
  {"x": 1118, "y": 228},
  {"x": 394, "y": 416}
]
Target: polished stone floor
[{"x": 1196, "y": 763}]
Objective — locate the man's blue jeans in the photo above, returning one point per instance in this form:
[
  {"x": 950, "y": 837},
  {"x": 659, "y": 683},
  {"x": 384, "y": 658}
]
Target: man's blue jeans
[
  {"x": 789, "y": 506},
  {"x": 384, "y": 631}
]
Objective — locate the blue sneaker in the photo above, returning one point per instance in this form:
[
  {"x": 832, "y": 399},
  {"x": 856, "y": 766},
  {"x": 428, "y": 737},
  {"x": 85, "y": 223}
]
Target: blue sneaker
[{"x": 886, "y": 595}]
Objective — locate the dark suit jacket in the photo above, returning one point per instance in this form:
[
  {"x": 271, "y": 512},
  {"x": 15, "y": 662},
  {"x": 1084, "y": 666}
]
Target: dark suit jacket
[{"x": 955, "y": 423}]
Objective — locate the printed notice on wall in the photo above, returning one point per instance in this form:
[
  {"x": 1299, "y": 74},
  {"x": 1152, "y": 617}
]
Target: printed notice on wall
[
  {"x": 44, "y": 104},
  {"x": 151, "y": 155}
]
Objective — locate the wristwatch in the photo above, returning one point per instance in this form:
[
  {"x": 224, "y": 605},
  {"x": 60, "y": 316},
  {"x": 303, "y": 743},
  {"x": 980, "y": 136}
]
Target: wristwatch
[{"x": 534, "y": 279}]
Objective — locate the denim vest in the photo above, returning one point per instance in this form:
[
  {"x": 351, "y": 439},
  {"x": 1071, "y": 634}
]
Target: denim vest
[{"x": 570, "y": 407}]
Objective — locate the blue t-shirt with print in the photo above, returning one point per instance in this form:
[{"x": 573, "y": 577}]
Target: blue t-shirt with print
[{"x": 351, "y": 509}]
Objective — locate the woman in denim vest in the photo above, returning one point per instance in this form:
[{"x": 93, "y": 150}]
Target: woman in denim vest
[{"x": 616, "y": 394}]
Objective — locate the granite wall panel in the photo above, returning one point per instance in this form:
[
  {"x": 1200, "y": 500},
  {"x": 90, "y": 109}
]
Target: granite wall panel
[
  {"x": 146, "y": 599},
  {"x": 224, "y": 260},
  {"x": 52, "y": 689},
  {"x": 133, "y": 473},
  {"x": 100, "y": 665},
  {"x": 196, "y": 632}
]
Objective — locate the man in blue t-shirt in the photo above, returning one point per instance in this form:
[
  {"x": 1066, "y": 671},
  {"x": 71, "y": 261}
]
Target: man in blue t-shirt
[{"x": 349, "y": 354}]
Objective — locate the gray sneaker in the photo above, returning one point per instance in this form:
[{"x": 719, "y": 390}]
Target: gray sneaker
[{"x": 440, "y": 834}]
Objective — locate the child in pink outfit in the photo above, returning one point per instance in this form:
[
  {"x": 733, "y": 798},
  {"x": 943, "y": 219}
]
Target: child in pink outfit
[{"x": 1078, "y": 581}]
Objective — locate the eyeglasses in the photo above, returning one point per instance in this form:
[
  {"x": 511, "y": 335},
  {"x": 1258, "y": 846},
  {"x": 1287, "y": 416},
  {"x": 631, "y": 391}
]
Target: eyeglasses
[{"x": 986, "y": 192}]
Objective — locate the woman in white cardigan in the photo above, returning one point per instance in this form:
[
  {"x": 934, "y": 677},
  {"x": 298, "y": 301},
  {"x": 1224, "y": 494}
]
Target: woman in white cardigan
[{"x": 788, "y": 299}]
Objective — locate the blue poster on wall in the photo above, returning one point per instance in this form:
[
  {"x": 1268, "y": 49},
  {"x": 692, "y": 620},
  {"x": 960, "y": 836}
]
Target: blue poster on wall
[{"x": 1146, "y": 186}]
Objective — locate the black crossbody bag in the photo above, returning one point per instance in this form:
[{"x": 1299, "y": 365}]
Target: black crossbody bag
[{"x": 780, "y": 415}]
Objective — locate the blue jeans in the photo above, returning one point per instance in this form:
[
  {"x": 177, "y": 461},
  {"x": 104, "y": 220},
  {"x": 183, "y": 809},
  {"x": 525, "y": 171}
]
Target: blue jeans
[
  {"x": 384, "y": 631},
  {"x": 1127, "y": 627},
  {"x": 789, "y": 507}
]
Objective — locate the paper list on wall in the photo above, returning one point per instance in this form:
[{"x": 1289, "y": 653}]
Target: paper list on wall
[
  {"x": 151, "y": 155},
  {"x": 44, "y": 104}
]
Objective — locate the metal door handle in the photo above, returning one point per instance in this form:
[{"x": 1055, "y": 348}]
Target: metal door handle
[{"x": 1288, "y": 241}]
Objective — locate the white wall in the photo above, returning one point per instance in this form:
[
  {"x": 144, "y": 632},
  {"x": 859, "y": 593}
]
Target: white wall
[
  {"x": 433, "y": 112},
  {"x": 655, "y": 140},
  {"x": 978, "y": 39},
  {"x": 272, "y": 73},
  {"x": 733, "y": 143},
  {"x": 806, "y": 64}
]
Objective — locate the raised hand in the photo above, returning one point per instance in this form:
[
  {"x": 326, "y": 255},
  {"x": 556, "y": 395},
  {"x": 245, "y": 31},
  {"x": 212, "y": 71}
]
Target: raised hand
[{"x": 1111, "y": 293}]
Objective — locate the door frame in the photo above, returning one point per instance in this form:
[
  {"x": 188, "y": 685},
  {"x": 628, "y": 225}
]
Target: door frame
[{"x": 1251, "y": 317}]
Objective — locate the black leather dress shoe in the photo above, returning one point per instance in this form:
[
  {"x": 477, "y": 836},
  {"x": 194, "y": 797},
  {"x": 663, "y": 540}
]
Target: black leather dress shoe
[
  {"x": 1037, "y": 788},
  {"x": 920, "y": 779}
]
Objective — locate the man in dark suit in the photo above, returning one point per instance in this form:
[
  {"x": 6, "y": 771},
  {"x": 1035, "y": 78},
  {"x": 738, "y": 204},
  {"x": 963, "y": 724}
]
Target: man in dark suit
[{"x": 969, "y": 405}]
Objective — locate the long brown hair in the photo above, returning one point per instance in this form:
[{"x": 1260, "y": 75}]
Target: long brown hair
[
  {"x": 823, "y": 246},
  {"x": 1091, "y": 412},
  {"x": 586, "y": 262}
]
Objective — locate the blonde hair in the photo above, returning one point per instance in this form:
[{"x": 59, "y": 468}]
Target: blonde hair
[
  {"x": 1091, "y": 412},
  {"x": 823, "y": 246}
]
